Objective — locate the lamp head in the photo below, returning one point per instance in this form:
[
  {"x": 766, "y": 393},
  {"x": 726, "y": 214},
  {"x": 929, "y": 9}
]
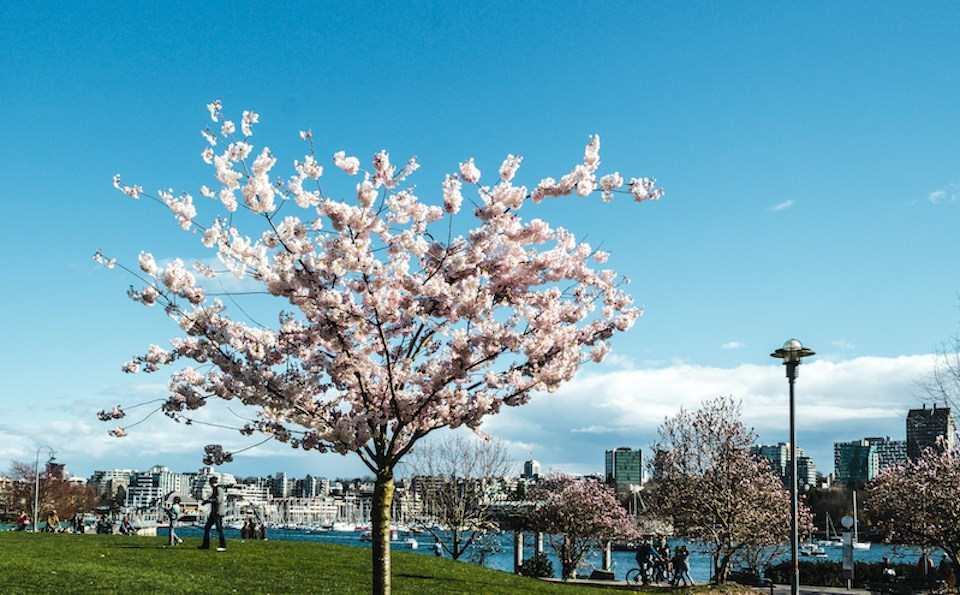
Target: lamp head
[{"x": 792, "y": 352}]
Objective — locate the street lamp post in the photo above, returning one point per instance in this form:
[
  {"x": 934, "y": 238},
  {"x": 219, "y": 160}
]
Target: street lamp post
[
  {"x": 792, "y": 353},
  {"x": 36, "y": 486}
]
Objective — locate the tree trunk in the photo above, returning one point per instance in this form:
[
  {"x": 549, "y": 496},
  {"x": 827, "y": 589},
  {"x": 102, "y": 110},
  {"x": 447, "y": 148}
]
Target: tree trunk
[
  {"x": 723, "y": 569},
  {"x": 568, "y": 564},
  {"x": 380, "y": 530}
]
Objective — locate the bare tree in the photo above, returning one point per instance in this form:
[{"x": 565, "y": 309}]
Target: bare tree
[
  {"x": 456, "y": 478},
  {"x": 55, "y": 494},
  {"x": 942, "y": 382}
]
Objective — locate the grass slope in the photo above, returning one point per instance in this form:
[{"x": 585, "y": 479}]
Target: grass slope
[
  {"x": 62, "y": 563},
  {"x": 105, "y": 564}
]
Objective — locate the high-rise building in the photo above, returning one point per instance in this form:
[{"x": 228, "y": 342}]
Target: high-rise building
[
  {"x": 806, "y": 472},
  {"x": 855, "y": 461},
  {"x": 925, "y": 426},
  {"x": 531, "y": 469},
  {"x": 778, "y": 455},
  {"x": 623, "y": 467},
  {"x": 889, "y": 452}
]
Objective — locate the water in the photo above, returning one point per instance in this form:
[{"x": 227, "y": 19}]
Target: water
[{"x": 623, "y": 561}]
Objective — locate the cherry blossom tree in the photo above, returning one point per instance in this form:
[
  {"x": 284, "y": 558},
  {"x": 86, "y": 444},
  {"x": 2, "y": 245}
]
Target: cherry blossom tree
[
  {"x": 576, "y": 516},
  {"x": 391, "y": 325},
  {"x": 713, "y": 490},
  {"x": 919, "y": 502}
]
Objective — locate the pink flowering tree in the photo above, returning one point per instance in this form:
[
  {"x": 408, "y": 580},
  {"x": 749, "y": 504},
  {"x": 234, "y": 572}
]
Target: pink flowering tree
[
  {"x": 577, "y": 516},
  {"x": 919, "y": 502},
  {"x": 714, "y": 491},
  {"x": 388, "y": 324}
]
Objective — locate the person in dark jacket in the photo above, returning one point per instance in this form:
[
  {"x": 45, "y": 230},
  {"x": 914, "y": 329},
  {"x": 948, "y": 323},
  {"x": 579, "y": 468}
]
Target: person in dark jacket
[{"x": 217, "y": 502}]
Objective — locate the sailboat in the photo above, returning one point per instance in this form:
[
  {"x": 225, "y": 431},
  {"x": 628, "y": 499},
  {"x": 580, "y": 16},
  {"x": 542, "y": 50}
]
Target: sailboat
[
  {"x": 833, "y": 538},
  {"x": 857, "y": 544}
]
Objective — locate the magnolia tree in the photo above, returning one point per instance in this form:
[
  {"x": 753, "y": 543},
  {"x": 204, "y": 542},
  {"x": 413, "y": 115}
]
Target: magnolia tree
[
  {"x": 919, "y": 502},
  {"x": 576, "y": 516},
  {"x": 713, "y": 490},
  {"x": 389, "y": 326}
]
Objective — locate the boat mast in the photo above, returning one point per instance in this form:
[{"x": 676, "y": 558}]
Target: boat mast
[{"x": 855, "y": 521}]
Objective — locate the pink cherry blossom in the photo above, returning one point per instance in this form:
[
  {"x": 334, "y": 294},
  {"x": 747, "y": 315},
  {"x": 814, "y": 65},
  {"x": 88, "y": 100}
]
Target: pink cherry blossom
[
  {"x": 350, "y": 165},
  {"x": 469, "y": 171},
  {"x": 247, "y": 122},
  {"x": 509, "y": 167},
  {"x": 716, "y": 492},
  {"x": 576, "y": 516},
  {"x": 919, "y": 502}
]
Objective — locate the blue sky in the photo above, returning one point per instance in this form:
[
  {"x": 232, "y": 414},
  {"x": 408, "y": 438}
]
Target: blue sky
[{"x": 810, "y": 153}]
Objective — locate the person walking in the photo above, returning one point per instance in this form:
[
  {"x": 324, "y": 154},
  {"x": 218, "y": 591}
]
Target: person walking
[
  {"x": 217, "y": 502},
  {"x": 173, "y": 513},
  {"x": 681, "y": 567}
]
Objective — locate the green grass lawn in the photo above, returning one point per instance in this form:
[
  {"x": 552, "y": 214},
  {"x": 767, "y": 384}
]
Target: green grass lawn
[{"x": 63, "y": 563}]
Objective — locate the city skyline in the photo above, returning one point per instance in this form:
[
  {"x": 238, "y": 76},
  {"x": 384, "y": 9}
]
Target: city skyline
[
  {"x": 807, "y": 196},
  {"x": 869, "y": 455}
]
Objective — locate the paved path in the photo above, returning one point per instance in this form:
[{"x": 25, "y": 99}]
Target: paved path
[
  {"x": 776, "y": 590},
  {"x": 811, "y": 590}
]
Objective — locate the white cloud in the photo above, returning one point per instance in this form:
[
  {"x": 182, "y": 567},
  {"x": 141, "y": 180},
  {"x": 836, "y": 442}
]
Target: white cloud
[
  {"x": 835, "y": 401},
  {"x": 843, "y": 344},
  {"x": 951, "y": 193},
  {"x": 602, "y": 408},
  {"x": 733, "y": 345},
  {"x": 783, "y": 206}
]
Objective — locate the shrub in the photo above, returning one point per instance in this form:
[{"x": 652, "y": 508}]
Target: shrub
[
  {"x": 830, "y": 574},
  {"x": 539, "y": 566}
]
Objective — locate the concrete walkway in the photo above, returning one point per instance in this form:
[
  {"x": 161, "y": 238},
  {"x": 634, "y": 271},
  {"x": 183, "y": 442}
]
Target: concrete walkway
[
  {"x": 811, "y": 590},
  {"x": 774, "y": 590}
]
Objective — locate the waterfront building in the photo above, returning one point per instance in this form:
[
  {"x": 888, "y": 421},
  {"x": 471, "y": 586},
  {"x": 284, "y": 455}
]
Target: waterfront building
[
  {"x": 925, "y": 426},
  {"x": 107, "y": 483},
  {"x": 855, "y": 461},
  {"x": 623, "y": 467},
  {"x": 281, "y": 486}
]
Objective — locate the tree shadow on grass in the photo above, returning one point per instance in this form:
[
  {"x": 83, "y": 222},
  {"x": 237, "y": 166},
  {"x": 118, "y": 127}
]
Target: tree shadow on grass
[
  {"x": 141, "y": 546},
  {"x": 426, "y": 577}
]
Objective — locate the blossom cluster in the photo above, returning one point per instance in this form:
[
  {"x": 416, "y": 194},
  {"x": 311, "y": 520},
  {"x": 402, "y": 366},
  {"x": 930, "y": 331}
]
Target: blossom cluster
[
  {"x": 215, "y": 455},
  {"x": 388, "y": 332},
  {"x": 578, "y": 515},
  {"x": 919, "y": 502}
]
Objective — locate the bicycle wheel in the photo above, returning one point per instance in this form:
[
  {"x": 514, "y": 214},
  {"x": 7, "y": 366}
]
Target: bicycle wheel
[{"x": 633, "y": 576}]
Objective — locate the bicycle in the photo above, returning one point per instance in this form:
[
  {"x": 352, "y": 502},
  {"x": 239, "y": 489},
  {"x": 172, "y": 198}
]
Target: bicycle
[{"x": 637, "y": 576}]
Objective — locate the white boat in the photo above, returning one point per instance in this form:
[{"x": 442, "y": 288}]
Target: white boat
[
  {"x": 811, "y": 550},
  {"x": 412, "y": 543},
  {"x": 366, "y": 536}
]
